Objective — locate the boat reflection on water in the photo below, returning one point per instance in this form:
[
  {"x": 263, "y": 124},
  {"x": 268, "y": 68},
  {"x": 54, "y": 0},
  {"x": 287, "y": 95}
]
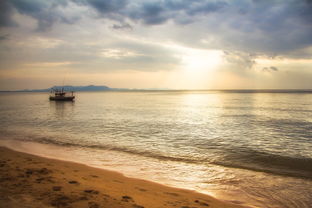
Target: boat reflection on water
[
  {"x": 62, "y": 110},
  {"x": 61, "y": 95}
]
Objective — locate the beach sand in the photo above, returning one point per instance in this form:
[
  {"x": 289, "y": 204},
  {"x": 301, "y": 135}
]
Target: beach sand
[{"x": 31, "y": 181}]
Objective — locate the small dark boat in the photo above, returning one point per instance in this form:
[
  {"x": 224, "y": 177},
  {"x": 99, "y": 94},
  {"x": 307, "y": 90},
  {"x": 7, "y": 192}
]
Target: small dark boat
[{"x": 61, "y": 95}]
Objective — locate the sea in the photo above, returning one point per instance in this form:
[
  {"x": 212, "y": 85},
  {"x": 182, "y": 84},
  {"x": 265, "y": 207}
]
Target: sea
[{"x": 248, "y": 147}]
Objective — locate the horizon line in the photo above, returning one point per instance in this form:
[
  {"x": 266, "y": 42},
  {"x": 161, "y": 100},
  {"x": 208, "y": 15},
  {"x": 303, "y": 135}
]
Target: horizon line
[{"x": 168, "y": 89}]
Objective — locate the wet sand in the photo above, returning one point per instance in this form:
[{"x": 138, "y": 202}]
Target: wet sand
[{"x": 31, "y": 181}]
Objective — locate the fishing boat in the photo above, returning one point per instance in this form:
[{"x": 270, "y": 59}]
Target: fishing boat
[{"x": 61, "y": 95}]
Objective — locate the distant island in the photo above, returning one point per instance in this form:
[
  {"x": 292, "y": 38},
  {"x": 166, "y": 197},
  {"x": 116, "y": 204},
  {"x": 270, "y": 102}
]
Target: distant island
[
  {"x": 69, "y": 88},
  {"x": 88, "y": 88}
]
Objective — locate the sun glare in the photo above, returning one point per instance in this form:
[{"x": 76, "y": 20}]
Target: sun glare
[
  {"x": 201, "y": 60},
  {"x": 198, "y": 67}
]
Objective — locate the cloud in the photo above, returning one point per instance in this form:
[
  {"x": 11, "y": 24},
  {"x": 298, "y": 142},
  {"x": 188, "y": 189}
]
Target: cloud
[
  {"x": 105, "y": 7},
  {"x": 6, "y": 14},
  {"x": 4, "y": 37},
  {"x": 204, "y": 8},
  {"x": 240, "y": 60},
  {"x": 45, "y": 12},
  {"x": 273, "y": 68},
  {"x": 270, "y": 27},
  {"x": 180, "y": 12},
  {"x": 118, "y": 53},
  {"x": 122, "y": 26},
  {"x": 270, "y": 69},
  {"x": 152, "y": 12},
  {"x": 243, "y": 29}
]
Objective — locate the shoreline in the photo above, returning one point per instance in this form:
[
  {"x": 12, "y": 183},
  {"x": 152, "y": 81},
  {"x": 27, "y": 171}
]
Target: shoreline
[{"x": 33, "y": 181}]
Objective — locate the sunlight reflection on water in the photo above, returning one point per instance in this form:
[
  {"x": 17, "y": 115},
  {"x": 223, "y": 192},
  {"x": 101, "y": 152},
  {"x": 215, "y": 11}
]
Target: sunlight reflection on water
[{"x": 228, "y": 144}]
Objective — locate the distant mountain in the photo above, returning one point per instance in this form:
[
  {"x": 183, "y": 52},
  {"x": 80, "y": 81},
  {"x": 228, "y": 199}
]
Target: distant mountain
[
  {"x": 82, "y": 88},
  {"x": 71, "y": 88},
  {"x": 88, "y": 88}
]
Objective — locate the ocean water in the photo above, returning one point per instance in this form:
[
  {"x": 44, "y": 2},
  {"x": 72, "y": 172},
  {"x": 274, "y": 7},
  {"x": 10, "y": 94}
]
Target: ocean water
[{"x": 253, "y": 148}]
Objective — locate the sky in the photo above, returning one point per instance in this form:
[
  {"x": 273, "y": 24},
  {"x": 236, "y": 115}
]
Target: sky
[{"x": 176, "y": 44}]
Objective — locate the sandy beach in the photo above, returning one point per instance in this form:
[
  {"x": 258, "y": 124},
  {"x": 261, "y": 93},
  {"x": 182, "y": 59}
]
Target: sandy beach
[{"x": 31, "y": 181}]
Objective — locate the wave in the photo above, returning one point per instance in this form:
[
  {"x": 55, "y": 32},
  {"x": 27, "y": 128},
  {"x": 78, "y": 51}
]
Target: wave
[
  {"x": 299, "y": 167},
  {"x": 248, "y": 159},
  {"x": 128, "y": 150}
]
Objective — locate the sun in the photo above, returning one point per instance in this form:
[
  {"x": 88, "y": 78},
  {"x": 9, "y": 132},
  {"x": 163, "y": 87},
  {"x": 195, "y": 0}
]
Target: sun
[
  {"x": 199, "y": 61},
  {"x": 195, "y": 59},
  {"x": 199, "y": 67}
]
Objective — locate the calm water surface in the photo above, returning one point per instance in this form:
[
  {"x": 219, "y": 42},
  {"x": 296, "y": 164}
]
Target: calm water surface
[{"x": 252, "y": 148}]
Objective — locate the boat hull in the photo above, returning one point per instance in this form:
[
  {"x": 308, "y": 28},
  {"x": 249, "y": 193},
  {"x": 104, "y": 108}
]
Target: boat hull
[{"x": 62, "y": 98}]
